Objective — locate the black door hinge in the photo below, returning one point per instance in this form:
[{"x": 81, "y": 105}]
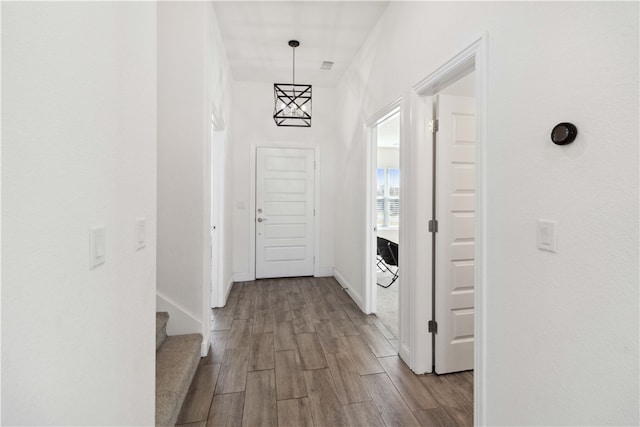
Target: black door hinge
[{"x": 433, "y": 326}]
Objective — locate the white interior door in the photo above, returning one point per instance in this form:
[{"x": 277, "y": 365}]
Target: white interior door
[
  {"x": 284, "y": 212},
  {"x": 455, "y": 238}
]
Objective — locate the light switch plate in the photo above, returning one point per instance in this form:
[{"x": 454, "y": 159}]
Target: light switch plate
[
  {"x": 547, "y": 240},
  {"x": 141, "y": 238},
  {"x": 97, "y": 248}
]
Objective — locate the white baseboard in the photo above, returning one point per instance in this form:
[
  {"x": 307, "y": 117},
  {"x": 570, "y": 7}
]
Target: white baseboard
[
  {"x": 206, "y": 342},
  {"x": 355, "y": 296},
  {"x": 180, "y": 320},
  {"x": 228, "y": 290},
  {"x": 243, "y": 277},
  {"x": 325, "y": 272}
]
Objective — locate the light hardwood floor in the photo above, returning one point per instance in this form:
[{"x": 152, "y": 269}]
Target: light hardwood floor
[{"x": 299, "y": 352}]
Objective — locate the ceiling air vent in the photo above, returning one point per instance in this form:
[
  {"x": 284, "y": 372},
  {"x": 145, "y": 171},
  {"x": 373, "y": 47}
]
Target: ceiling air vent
[{"x": 326, "y": 65}]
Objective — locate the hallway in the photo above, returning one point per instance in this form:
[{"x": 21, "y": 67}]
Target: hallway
[{"x": 293, "y": 352}]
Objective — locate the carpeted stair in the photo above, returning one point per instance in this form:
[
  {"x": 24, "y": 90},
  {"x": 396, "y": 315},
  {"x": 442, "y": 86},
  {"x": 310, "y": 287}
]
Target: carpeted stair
[{"x": 177, "y": 359}]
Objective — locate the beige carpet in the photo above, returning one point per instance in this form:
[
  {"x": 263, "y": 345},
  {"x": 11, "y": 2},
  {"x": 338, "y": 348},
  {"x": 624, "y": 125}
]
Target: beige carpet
[{"x": 387, "y": 304}]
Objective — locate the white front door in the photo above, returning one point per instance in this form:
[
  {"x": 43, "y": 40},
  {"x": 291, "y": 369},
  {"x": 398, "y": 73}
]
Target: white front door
[
  {"x": 455, "y": 238},
  {"x": 284, "y": 212}
]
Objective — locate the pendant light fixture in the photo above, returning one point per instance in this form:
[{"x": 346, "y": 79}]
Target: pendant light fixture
[{"x": 292, "y": 101}]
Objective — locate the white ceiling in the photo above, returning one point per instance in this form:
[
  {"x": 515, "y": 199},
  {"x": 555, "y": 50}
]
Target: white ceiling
[{"x": 256, "y": 36}]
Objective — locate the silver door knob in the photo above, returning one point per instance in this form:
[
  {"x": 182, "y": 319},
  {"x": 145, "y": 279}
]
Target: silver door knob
[{"x": 261, "y": 219}]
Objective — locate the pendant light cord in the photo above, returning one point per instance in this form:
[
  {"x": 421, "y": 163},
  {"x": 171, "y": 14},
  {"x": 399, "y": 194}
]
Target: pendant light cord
[{"x": 294, "y": 72}]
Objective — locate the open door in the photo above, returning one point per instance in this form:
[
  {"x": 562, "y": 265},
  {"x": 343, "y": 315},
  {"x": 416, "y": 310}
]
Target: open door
[{"x": 455, "y": 237}]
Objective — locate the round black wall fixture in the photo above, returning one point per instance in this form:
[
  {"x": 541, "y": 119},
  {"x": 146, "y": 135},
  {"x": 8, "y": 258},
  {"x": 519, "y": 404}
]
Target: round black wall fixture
[{"x": 564, "y": 133}]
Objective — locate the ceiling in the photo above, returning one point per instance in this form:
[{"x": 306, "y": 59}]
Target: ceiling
[{"x": 256, "y": 36}]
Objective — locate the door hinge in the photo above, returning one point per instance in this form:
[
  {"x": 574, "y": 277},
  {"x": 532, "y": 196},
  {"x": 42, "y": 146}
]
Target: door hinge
[
  {"x": 433, "y": 326},
  {"x": 433, "y": 226},
  {"x": 433, "y": 126}
]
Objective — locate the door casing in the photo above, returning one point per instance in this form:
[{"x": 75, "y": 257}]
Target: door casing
[{"x": 473, "y": 58}]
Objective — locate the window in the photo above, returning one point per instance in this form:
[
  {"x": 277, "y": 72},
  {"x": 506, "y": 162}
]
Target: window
[{"x": 388, "y": 198}]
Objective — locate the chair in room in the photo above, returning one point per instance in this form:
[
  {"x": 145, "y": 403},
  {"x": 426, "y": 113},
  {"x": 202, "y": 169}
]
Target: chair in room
[{"x": 387, "y": 259}]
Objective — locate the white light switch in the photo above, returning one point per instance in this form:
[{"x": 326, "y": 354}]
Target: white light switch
[
  {"x": 97, "y": 250},
  {"x": 141, "y": 238},
  {"x": 547, "y": 235}
]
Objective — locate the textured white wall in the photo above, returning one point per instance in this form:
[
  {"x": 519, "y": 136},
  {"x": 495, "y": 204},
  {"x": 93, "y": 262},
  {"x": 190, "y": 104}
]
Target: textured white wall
[
  {"x": 253, "y": 124},
  {"x": 562, "y": 329},
  {"x": 192, "y": 73},
  {"x": 79, "y": 150}
]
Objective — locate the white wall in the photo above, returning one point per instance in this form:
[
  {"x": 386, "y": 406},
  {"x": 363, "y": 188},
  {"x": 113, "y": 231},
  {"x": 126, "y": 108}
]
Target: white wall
[
  {"x": 79, "y": 150},
  {"x": 561, "y": 329},
  {"x": 192, "y": 75},
  {"x": 253, "y": 126}
]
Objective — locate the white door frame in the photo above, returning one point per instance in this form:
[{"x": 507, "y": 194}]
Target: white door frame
[
  {"x": 370, "y": 289},
  {"x": 218, "y": 142},
  {"x": 473, "y": 58},
  {"x": 252, "y": 205}
]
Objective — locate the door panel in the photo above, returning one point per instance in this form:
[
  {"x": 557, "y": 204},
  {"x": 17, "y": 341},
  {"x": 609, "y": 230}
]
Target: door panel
[
  {"x": 455, "y": 245},
  {"x": 284, "y": 212}
]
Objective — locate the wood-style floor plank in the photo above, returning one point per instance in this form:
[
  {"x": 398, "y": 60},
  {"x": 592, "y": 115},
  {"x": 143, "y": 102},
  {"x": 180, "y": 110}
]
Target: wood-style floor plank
[
  {"x": 435, "y": 417},
  {"x": 294, "y": 412},
  {"x": 446, "y": 393},
  {"x": 306, "y": 354},
  {"x": 365, "y": 362},
  {"x": 262, "y": 353},
  {"x": 410, "y": 387},
  {"x": 349, "y": 386},
  {"x": 216, "y": 348},
  {"x": 345, "y": 327},
  {"x": 378, "y": 344},
  {"x": 462, "y": 413},
  {"x": 289, "y": 378},
  {"x": 364, "y": 414},
  {"x": 233, "y": 372},
  {"x": 198, "y": 400},
  {"x": 260, "y": 399},
  {"x": 302, "y": 320},
  {"x": 382, "y": 328},
  {"x": 198, "y": 424},
  {"x": 240, "y": 335},
  {"x": 355, "y": 314},
  {"x": 329, "y": 338},
  {"x": 460, "y": 382},
  {"x": 326, "y": 410},
  {"x": 263, "y": 322},
  {"x": 226, "y": 410},
  {"x": 311, "y": 351},
  {"x": 285, "y": 337},
  {"x": 392, "y": 407}
]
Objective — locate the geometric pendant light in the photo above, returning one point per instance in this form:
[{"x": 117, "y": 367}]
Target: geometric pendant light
[{"x": 292, "y": 102}]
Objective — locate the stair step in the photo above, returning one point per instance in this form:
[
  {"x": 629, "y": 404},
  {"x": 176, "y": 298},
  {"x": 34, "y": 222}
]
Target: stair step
[
  {"x": 176, "y": 363},
  {"x": 162, "y": 317}
]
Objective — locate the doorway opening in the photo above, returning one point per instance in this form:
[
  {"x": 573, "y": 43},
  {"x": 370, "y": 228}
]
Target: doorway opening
[
  {"x": 382, "y": 221},
  {"x": 451, "y": 144},
  {"x": 386, "y": 279}
]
